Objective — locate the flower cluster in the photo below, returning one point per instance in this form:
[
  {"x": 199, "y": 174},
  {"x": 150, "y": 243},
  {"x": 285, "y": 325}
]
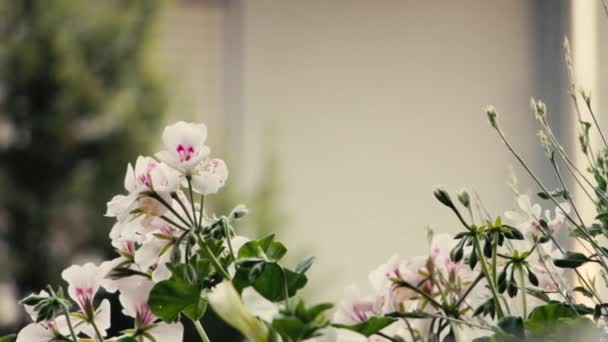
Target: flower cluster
[
  {"x": 173, "y": 260},
  {"x": 414, "y": 298},
  {"x": 511, "y": 279}
]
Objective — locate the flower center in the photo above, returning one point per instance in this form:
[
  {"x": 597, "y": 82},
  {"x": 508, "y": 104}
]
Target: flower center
[
  {"x": 166, "y": 230},
  {"x": 358, "y": 314},
  {"x": 185, "y": 152},
  {"x": 145, "y": 316},
  {"x": 128, "y": 247},
  {"x": 84, "y": 296}
]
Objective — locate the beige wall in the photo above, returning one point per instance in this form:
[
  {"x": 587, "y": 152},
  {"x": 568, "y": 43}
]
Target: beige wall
[
  {"x": 370, "y": 104},
  {"x": 367, "y": 106}
]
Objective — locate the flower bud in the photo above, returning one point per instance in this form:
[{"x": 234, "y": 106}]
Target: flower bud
[
  {"x": 464, "y": 198},
  {"x": 442, "y": 196},
  {"x": 539, "y": 108},
  {"x": 238, "y": 212},
  {"x": 176, "y": 254},
  {"x": 227, "y": 303},
  {"x": 586, "y": 95},
  {"x": 492, "y": 115}
]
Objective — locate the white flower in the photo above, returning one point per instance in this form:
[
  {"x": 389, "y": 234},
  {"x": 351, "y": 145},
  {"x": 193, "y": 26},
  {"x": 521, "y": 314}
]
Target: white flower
[
  {"x": 228, "y": 305},
  {"x": 83, "y": 283},
  {"x": 148, "y": 175},
  {"x": 407, "y": 269},
  {"x": 36, "y": 332},
  {"x": 134, "y": 293},
  {"x": 354, "y": 309},
  {"x": 529, "y": 216},
  {"x": 44, "y": 331},
  {"x": 210, "y": 176},
  {"x": 102, "y": 320},
  {"x": 184, "y": 146},
  {"x": 155, "y": 253}
]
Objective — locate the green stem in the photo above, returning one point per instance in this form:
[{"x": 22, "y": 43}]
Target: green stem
[
  {"x": 489, "y": 277},
  {"x": 173, "y": 223},
  {"x": 97, "y": 332},
  {"x": 522, "y": 284},
  {"x": 494, "y": 259},
  {"x": 66, "y": 312},
  {"x": 163, "y": 202},
  {"x": 201, "y": 331},
  {"x": 420, "y": 292},
  {"x": 385, "y": 336},
  {"x": 455, "y": 332},
  {"x": 183, "y": 206},
  {"x": 285, "y": 289},
  {"x": 214, "y": 261},
  {"x": 194, "y": 222},
  {"x": 468, "y": 290},
  {"x": 201, "y": 211}
]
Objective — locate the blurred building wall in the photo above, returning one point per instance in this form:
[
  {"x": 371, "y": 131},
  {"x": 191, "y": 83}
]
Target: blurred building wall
[
  {"x": 367, "y": 106},
  {"x": 370, "y": 104}
]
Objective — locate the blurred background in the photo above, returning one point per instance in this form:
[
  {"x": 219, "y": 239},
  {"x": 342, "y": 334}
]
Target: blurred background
[{"x": 336, "y": 118}]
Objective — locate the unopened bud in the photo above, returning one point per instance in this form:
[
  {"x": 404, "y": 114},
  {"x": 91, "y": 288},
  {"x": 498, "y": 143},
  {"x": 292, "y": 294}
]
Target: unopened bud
[
  {"x": 442, "y": 196},
  {"x": 176, "y": 254},
  {"x": 539, "y": 108},
  {"x": 492, "y": 115},
  {"x": 464, "y": 198},
  {"x": 239, "y": 212},
  {"x": 586, "y": 95}
]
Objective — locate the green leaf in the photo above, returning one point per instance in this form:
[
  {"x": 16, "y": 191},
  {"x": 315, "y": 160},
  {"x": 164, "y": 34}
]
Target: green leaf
[
  {"x": 127, "y": 339},
  {"x": 551, "y": 311},
  {"x": 176, "y": 295},
  {"x": 571, "y": 260},
  {"x": 271, "y": 285},
  {"x": 369, "y": 327},
  {"x": 554, "y": 194},
  {"x": 512, "y": 325},
  {"x": 602, "y": 216},
  {"x": 305, "y": 264},
  {"x": 314, "y": 311},
  {"x": 265, "y": 247},
  {"x": 8, "y": 338},
  {"x": 544, "y": 319},
  {"x": 290, "y": 327},
  {"x": 584, "y": 291}
]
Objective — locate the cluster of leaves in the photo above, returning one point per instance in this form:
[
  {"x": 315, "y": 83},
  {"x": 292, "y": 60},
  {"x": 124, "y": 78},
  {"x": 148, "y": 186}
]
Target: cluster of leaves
[
  {"x": 554, "y": 321},
  {"x": 256, "y": 265},
  {"x": 298, "y": 323}
]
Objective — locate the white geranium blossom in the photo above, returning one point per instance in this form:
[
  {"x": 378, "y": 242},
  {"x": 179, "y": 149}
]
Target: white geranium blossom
[
  {"x": 44, "y": 331},
  {"x": 210, "y": 176},
  {"x": 83, "y": 283},
  {"x": 134, "y": 293},
  {"x": 529, "y": 216},
  {"x": 354, "y": 308},
  {"x": 148, "y": 175},
  {"x": 184, "y": 146}
]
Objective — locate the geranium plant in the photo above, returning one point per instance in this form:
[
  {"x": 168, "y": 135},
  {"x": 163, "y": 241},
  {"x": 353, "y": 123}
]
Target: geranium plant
[
  {"x": 500, "y": 278},
  {"x": 174, "y": 260},
  {"x": 504, "y": 278}
]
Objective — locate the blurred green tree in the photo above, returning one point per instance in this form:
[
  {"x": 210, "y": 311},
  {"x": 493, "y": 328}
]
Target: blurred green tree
[{"x": 79, "y": 95}]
